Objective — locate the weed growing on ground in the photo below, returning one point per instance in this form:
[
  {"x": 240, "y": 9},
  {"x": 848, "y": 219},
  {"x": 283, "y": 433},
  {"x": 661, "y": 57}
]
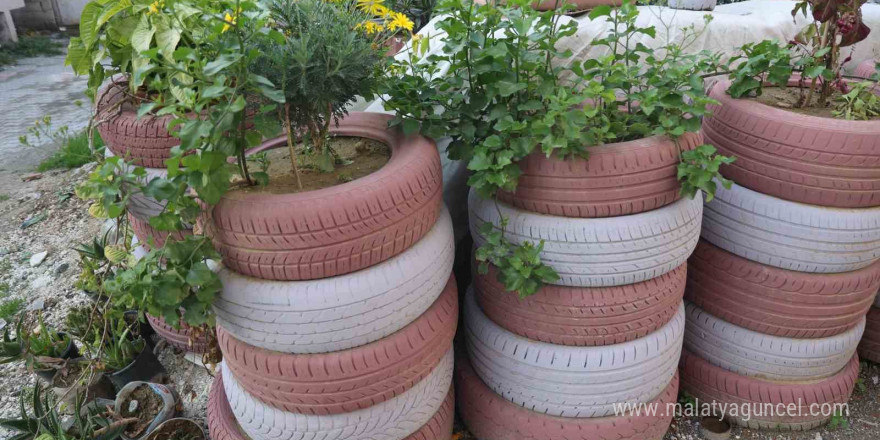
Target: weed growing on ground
[
  {"x": 28, "y": 47},
  {"x": 4, "y": 197},
  {"x": 10, "y": 308},
  {"x": 72, "y": 149}
]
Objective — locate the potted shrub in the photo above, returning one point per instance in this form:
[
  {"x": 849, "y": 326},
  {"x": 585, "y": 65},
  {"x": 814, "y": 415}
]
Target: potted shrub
[
  {"x": 40, "y": 418},
  {"x": 126, "y": 359},
  {"x": 330, "y": 195},
  {"x": 77, "y": 379},
  {"x": 801, "y": 131},
  {"x": 610, "y": 136},
  {"x": 41, "y": 347}
]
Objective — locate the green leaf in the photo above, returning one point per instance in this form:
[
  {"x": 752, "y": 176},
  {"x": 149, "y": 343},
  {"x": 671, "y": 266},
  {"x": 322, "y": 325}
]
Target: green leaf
[
  {"x": 222, "y": 62},
  {"x": 167, "y": 38},
  {"x": 110, "y": 12},
  {"x": 142, "y": 37},
  {"x": 88, "y": 23}
]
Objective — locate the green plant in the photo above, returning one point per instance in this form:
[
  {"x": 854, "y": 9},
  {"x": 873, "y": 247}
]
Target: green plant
[
  {"x": 169, "y": 279},
  {"x": 814, "y": 54},
  {"x": 28, "y": 46},
  {"x": 14, "y": 349},
  {"x": 71, "y": 149},
  {"x": 4, "y": 197},
  {"x": 40, "y": 419},
  {"x": 11, "y": 307},
  {"x": 860, "y": 103},
  {"x": 838, "y": 420},
  {"x": 125, "y": 31},
  {"x": 117, "y": 347},
  {"x": 39, "y": 346},
  {"x": 319, "y": 69},
  {"x": 499, "y": 91}
]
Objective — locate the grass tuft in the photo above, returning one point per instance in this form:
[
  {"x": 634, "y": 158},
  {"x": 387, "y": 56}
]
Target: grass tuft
[
  {"x": 29, "y": 46},
  {"x": 8, "y": 309},
  {"x": 73, "y": 154}
]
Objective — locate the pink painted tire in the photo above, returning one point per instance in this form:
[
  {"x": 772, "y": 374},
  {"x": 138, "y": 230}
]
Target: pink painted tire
[
  {"x": 776, "y": 301},
  {"x": 145, "y": 142},
  {"x": 806, "y": 159},
  {"x": 617, "y": 179},
  {"x": 348, "y": 380},
  {"x": 147, "y": 234},
  {"x": 223, "y": 426},
  {"x": 869, "y": 348},
  {"x": 708, "y": 383},
  {"x": 178, "y": 338},
  {"x": 866, "y": 69},
  {"x": 337, "y": 230},
  {"x": 492, "y": 417},
  {"x": 584, "y": 316}
]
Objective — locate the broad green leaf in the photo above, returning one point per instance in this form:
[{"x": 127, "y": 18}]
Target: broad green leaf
[
  {"x": 88, "y": 24},
  {"x": 142, "y": 37},
  {"x": 114, "y": 9}
]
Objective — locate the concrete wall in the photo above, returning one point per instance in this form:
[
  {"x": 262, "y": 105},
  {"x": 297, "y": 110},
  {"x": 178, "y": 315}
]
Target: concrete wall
[
  {"x": 36, "y": 15},
  {"x": 70, "y": 11}
]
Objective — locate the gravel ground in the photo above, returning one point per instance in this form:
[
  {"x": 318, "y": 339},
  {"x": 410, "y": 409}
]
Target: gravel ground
[{"x": 49, "y": 287}]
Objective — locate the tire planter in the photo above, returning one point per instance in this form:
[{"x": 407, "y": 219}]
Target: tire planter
[
  {"x": 869, "y": 348},
  {"x": 139, "y": 205},
  {"x": 866, "y": 69},
  {"x": 344, "y": 228},
  {"x": 342, "y": 312},
  {"x": 791, "y": 235},
  {"x": 775, "y": 301},
  {"x": 178, "y": 338},
  {"x": 775, "y": 358},
  {"x": 584, "y": 316},
  {"x": 571, "y": 381},
  {"x": 709, "y": 383},
  {"x": 223, "y": 426},
  {"x": 491, "y": 417},
  {"x": 393, "y": 419},
  {"x": 806, "y": 159},
  {"x": 617, "y": 179},
  {"x": 143, "y": 141},
  {"x": 147, "y": 234},
  {"x": 604, "y": 251},
  {"x": 348, "y": 380}
]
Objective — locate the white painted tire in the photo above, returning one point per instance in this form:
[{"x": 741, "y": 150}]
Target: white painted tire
[
  {"x": 791, "y": 235},
  {"x": 693, "y": 5},
  {"x": 393, "y": 419},
  {"x": 569, "y": 381},
  {"x": 139, "y": 205},
  {"x": 342, "y": 312},
  {"x": 774, "y": 358},
  {"x": 599, "y": 252}
]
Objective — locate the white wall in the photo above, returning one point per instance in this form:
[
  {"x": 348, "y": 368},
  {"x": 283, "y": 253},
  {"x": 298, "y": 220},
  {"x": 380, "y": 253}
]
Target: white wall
[{"x": 70, "y": 10}]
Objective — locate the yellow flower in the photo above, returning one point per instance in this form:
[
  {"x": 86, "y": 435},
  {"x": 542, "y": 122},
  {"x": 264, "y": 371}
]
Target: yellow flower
[
  {"x": 230, "y": 21},
  {"x": 155, "y": 6},
  {"x": 371, "y": 27},
  {"x": 400, "y": 21},
  {"x": 373, "y": 7}
]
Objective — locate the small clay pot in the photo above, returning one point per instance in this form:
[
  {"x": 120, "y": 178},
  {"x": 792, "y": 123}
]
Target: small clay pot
[
  {"x": 167, "y": 410},
  {"x": 97, "y": 387},
  {"x": 71, "y": 352},
  {"x": 178, "y": 429},
  {"x": 145, "y": 367}
]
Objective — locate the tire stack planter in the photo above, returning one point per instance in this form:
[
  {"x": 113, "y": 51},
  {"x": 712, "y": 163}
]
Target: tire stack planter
[
  {"x": 143, "y": 142},
  {"x": 338, "y": 307},
  {"x": 787, "y": 266},
  {"x": 556, "y": 365}
]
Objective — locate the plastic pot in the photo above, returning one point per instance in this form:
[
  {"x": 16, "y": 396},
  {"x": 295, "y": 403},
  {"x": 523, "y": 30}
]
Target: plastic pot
[
  {"x": 144, "y": 330},
  {"x": 97, "y": 387},
  {"x": 145, "y": 367},
  {"x": 71, "y": 352},
  {"x": 167, "y": 409},
  {"x": 175, "y": 428}
]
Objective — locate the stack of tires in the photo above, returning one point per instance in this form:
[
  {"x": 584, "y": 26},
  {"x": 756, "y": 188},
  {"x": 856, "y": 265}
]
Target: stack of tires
[
  {"x": 144, "y": 142},
  {"x": 338, "y": 307},
  {"x": 787, "y": 268},
  {"x": 564, "y": 362}
]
